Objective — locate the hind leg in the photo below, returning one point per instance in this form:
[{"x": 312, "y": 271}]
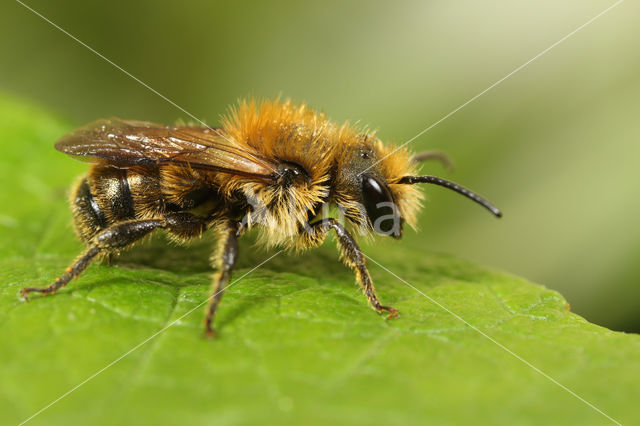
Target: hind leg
[
  {"x": 121, "y": 235},
  {"x": 109, "y": 240}
]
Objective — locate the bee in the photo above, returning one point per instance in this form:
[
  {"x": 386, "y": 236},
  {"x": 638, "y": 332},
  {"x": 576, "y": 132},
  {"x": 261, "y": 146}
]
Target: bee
[{"x": 272, "y": 165}]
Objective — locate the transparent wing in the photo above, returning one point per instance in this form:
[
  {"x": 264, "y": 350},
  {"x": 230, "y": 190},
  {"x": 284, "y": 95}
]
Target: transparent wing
[{"x": 126, "y": 143}]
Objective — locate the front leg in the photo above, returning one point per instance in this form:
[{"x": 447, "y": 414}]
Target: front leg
[
  {"x": 353, "y": 257},
  {"x": 225, "y": 258}
]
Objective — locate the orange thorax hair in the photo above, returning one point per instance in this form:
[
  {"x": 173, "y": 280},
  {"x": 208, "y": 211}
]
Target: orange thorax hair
[{"x": 293, "y": 133}]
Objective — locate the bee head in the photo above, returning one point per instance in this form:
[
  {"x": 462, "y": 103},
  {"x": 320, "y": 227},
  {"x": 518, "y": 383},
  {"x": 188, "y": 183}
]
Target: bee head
[
  {"x": 381, "y": 185},
  {"x": 365, "y": 191}
]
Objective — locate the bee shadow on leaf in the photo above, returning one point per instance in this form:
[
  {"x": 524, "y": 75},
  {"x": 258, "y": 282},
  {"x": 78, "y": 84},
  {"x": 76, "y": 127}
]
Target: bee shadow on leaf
[{"x": 159, "y": 253}]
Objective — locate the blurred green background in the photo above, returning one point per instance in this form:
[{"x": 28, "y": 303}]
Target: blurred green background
[{"x": 555, "y": 145}]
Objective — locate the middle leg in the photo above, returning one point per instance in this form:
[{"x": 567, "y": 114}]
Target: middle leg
[{"x": 225, "y": 258}]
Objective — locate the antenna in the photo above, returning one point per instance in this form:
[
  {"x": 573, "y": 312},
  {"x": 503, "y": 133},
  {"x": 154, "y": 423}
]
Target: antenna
[{"x": 410, "y": 180}]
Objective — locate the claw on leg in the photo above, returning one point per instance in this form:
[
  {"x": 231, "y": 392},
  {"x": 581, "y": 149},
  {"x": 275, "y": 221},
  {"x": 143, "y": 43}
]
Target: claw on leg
[
  {"x": 393, "y": 312},
  {"x": 45, "y": 290},
  {"x": 25, "y": 294},
  {"x": 209, "y": 332}
]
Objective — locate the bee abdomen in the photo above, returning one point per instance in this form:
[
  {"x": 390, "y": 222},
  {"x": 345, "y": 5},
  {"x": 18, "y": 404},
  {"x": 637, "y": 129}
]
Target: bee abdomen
[
  {"x": 88, "y": 216},
  {"x": 102, "y": 199},
  {"x": 109, "y": 195},
  {"x": 112, "y": 193}
]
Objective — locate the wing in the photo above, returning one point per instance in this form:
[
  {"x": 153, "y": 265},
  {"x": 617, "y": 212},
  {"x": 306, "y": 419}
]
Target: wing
[{"x": 128, "y": 143}]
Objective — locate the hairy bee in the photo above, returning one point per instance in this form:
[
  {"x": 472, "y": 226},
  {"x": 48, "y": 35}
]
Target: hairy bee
[{"x": 272, "y": 165}]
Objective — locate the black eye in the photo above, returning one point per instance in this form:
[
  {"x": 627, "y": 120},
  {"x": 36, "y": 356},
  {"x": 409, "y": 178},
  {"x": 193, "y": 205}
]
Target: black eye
[{"x": 380, "y": 207}]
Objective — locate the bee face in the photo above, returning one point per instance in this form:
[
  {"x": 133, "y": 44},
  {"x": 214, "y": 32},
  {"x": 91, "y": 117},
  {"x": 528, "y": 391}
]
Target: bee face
[{"x": 370, "y": 199}]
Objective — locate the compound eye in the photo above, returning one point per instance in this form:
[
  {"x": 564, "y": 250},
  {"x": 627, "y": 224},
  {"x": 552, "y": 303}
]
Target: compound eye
[{"x": 380, "y": 207}]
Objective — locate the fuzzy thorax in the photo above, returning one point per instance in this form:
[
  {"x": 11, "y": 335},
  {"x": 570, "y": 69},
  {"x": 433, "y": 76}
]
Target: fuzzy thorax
[{"x": 332, "y": 157}]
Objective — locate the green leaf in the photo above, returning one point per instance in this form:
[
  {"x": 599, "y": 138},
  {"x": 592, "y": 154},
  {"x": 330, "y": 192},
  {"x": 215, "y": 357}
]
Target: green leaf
[{"x": 297, "y": 342}]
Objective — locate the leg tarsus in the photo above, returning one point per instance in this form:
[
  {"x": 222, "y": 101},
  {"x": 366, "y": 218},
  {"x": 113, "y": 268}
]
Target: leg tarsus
[
  {"x": 226, "y": 256},
  {"x": 71, "y": 272}
]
